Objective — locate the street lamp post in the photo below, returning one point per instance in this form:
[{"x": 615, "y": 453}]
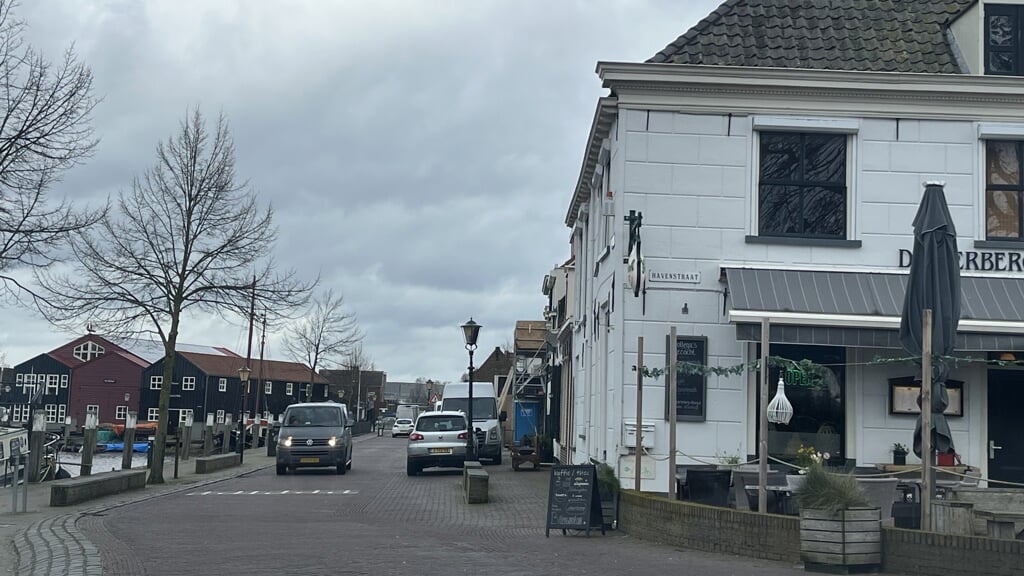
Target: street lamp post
[
  {"x": 470, "y": 331},
  {"x": 430, "y": 387},
  {"x": 243, "y": 377}
]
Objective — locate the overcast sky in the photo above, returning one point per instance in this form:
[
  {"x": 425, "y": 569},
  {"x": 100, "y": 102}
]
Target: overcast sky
[{"x": 419, "y": 155}]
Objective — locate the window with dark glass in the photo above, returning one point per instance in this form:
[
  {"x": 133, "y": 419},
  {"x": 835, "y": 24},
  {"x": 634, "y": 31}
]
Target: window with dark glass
[
  {"x": 802, "y": 188},
  {"x": 1002, "y": 39},
  {"x": 818, "y": 400},
  {"x": 1003, "y": 190}
]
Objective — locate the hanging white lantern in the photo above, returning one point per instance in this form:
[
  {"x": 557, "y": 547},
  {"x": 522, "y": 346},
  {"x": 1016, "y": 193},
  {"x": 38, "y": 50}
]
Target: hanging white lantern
[{"x": 779, "y": 409}]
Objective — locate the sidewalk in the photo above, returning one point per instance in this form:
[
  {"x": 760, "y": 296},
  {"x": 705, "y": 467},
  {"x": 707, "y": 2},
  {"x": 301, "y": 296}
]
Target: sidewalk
[{"x": 44, "y": 540}]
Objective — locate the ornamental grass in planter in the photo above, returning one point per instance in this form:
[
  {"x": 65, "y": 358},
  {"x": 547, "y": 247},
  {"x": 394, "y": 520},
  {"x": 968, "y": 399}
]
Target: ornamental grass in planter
[
  {"x": 608, "y": 487},
  {"x": 838, "y": 528}
]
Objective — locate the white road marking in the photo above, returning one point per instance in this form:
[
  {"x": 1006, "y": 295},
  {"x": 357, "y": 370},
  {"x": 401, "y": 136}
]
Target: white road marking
[{"x": 275, "y": 493}]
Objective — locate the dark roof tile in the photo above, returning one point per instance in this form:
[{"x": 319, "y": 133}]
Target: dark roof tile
[{"x": 865, "y": 35}]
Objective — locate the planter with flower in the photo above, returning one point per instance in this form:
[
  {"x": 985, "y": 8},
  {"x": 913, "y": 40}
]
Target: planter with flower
[
  {"x": 805, "y": 456},
  {"x": 899, "y": 454},
  {"x": 838, "y": 527}
]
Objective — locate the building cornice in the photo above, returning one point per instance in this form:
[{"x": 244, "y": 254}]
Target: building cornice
[
  {"x": 604, "y": 117},
  {"x": 740, "y": 90}
]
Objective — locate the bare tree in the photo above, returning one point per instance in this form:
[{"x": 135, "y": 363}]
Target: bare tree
[
  {"x": 357, "y": 360},
  {"x": 186, "y": 237},
  {"x": 45, "y": 114},
  {"x": 325, "y": 335}
]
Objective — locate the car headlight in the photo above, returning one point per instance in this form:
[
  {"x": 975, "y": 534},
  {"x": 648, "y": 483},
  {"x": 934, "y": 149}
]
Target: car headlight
[
  {"x": 494, "y": 434},
  {"x": 332, "y": 441},
  {"x": 287, "y": 441}
]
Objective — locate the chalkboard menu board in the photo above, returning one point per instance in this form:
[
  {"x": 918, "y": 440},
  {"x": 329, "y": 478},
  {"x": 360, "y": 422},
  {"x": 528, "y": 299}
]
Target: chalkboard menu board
[
  {"x": 691, "y": 388},
  {"x": 573, "y": 501}
]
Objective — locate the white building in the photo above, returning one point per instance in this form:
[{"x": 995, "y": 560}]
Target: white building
[{"x": 777, "y": 157}]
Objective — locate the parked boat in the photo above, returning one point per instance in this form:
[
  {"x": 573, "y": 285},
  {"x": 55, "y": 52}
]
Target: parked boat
[{"x": 142, "y": 447}]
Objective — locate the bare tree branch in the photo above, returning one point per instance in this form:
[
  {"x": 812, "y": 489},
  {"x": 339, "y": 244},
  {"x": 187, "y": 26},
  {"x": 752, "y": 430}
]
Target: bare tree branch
[
  {"x": 45, "y": 115},
  {"x": 326, "y": 335},
  {"x": 187, "y": 236}
]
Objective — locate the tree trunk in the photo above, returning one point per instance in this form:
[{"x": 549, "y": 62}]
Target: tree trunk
[{"x": 156, "y": 470}]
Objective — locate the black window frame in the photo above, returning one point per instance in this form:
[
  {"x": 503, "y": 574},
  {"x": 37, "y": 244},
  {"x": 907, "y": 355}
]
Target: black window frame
[
  {"x": 1018, "y": 188},
  {"x": 803, "y": 185},
  {"x": 1016, "y": 50}
]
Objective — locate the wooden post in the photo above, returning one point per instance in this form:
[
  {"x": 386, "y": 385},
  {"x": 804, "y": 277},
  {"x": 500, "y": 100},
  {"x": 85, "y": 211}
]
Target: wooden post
[
  {"x": 926, "y": 422},
  {"x": 672, "y": 412},
  {"x": 37, "y": 443},
  {"x": 88, "y": 443},
  {"x": 129, "y": 440},
  {"x": 762, "y": 419},
  {"x": 639, "y": 409}
]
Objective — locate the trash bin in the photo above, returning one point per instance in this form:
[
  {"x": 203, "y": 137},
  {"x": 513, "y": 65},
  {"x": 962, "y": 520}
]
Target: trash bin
[
  {"x": 272, "y": 434},
  {"x": 149, "y": 452}
]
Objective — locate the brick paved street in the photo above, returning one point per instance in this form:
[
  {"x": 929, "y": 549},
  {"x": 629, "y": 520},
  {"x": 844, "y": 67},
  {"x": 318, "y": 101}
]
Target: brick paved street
[{"x": 388, "y": 523}]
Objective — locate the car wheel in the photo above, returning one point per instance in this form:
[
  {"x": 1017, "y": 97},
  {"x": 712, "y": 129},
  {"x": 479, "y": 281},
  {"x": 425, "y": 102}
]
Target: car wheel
[
  {"x": 411, "y": 469},
  {"x": 349, "y": 465},
  {"x": 282, "y": 470},
  {"x": 497, "y": 459},
  {"x": 393, "y": 435},
  {"x": 341, "y": 465}
]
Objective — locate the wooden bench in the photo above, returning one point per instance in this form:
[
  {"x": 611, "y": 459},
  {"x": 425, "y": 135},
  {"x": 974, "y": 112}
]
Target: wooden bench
[
  {"x": 207, "y": 464},
  {"x": 476, "y": 485},
  {"x": 1007, "y": 525},
  {"x": 521, "y": 454},
  {"x": 83, "y": 488}
]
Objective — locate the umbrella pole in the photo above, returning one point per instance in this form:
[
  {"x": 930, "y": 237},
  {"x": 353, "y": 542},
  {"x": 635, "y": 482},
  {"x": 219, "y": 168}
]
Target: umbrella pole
[
  {"x": 762, "y": 415},
  {"x": 926, "y": 422}
]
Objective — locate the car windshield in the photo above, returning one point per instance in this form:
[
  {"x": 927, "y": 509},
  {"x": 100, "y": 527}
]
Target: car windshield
[
  {"x": 440, "y": 424},
  {"x": 483, "y": 408},
  {"x": 313, "y": 416}
]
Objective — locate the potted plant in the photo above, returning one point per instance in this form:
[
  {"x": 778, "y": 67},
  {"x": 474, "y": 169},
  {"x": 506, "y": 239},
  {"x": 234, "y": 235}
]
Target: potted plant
[
  {"x": 899, "y": 454},
  {"x": 838, "y": 528},
  {"x": 608, "y": 489}
]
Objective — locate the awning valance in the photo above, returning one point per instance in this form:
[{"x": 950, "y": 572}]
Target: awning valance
[{"x": 863, "y": 308}]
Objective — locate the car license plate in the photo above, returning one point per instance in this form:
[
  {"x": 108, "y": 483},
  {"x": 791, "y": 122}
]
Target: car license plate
[
  {"x": 440, "y": 450},
  {"x": 309, "y": 460}
]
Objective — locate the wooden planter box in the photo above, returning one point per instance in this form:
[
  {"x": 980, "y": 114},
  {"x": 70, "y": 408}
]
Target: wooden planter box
[{"x": 850, "y": 539}]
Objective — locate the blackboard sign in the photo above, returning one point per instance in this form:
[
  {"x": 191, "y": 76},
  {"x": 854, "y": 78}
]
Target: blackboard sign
[
  {"x": 573, "y": 501},
  {"x": 691, "y": 388}
]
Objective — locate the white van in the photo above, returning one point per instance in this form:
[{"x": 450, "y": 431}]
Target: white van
[{"x": 486, "y": 419}]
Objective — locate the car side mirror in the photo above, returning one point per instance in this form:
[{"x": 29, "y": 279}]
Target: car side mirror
[{"x": 502, "y": 416}]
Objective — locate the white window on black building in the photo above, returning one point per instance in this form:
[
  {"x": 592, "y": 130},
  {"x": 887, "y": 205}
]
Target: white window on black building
[
  {"x": 156, "y": 382},
  {"x": 222, "y": 385},
  {"x": 188, "y": 383},
  {"x": 120, "y": 413}
]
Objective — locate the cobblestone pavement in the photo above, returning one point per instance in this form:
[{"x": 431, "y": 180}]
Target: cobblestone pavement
[
  {"x": 373, "y": 520},
  {"x": 388, "y": 524}
]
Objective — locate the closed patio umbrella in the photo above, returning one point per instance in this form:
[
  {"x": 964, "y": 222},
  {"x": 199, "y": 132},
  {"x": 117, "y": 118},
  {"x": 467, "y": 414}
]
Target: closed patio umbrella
[{"x": 934, "y": 284}]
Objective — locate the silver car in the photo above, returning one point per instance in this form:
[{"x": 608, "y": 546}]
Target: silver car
[{"x": 438, "y": 439}]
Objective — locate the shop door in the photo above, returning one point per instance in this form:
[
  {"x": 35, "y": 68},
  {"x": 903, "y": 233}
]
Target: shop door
[{"x": 1005, "y": 431}]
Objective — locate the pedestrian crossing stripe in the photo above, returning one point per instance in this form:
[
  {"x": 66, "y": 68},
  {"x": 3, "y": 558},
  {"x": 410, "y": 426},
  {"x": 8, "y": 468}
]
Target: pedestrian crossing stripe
[{"x": 272, "y": 493}]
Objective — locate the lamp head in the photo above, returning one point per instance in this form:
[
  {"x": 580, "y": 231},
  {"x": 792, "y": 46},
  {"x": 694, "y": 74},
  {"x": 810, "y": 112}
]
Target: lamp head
[
  {"x": 243, "y": 373},
  {"x": 470, "y": 332}
]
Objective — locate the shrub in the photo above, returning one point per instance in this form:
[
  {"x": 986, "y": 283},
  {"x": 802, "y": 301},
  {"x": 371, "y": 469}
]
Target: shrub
[
  {"x": 822, "y": 490},
  {"x": 607, "y": 482}
]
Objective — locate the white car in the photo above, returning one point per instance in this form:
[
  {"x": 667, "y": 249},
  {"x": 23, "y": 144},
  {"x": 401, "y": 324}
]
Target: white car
[{"x": 402, "y": 427}]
